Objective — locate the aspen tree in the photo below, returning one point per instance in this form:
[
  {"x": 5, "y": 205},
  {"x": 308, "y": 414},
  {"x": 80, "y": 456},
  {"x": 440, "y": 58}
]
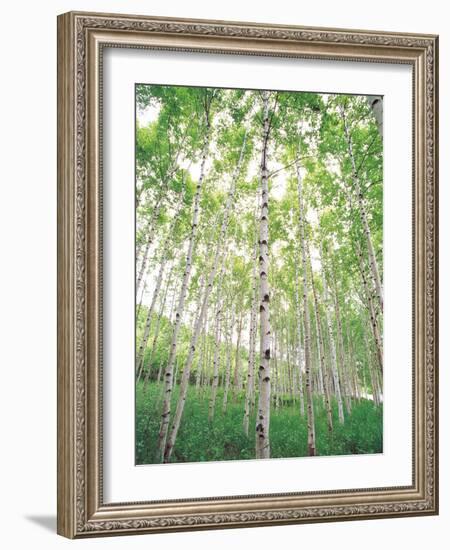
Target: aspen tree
[
  {"x": 306, "y": 320},
  {"x": 263, "y": 414}
]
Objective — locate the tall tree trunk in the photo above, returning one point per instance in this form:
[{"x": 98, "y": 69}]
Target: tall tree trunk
[
  {"x": 216, "y": 363},
  {"x": 168, "y": 382},
  {"x": 298, "y": 313},
  {"x": 228, "y": 361},
  {"x": 372, "y": 368},
  {"x": 139, "y": 306},
  {"x": 306, "y": 322},
  {"x": 250, "y": 390},
  {"x": 276, "y": 382},
  {"x": 250, "y": 367},
  {"x": 363, "y": 215},
  {"x": 263, "y": 414},
  {"x": 340, "y": 338},
  {"x": 237, "y": 359},
  {"x": 332, "y": 343},
  {"x": 321, "y": 349},
  {"x": 354, "y": 371},
  {"x": 370, "y": 307},
  {"x": 201, "y": 355},
  {"x": 175, "y": 374},
  {"x": 315, "y": 350},
  {"x": 292, "y": 358},
  {"x": 204, "y": 382},
  {"x": 286, "y": 346}
]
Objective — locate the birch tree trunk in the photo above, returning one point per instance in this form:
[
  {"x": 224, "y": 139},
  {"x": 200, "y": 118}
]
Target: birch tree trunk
[
  {"x": 321, "y": 350},
  {"x": 292, "y": 358},
  {"x": 298, "y": 313},
  {"x": 250, "y": 367},
  {"x": 263, "y": 414},
  {"x": 198, "y": 372},
  {"x": 371, "y": 366},
  {"x": 370, "y": 307},
  {"x": 249, "y": 395},
  {"x": 354, "y": 372},
  {"x": 205, "y": 356},
  {"x": 306, "y": 322},
  {"x": 156, "y": 335},
  {"x": 340, "y": 340},
  {"x": 288, "y": 365},
  {"x": 228, "y": 362},
  {"x": 168, "y": 381},
  {"x": 237, "y": 358},
  {"x": 276, "y": 383},
  {"x": 139, "y": 306},
  {"x": 216, "y": 363},
  {"x": 332, "y": 343}
]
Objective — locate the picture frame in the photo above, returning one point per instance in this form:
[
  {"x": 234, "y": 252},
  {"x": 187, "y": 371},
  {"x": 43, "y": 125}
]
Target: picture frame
[{"x": 82, "y": 40}]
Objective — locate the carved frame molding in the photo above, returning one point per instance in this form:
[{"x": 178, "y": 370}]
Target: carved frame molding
[{"x": 81, "y": 38}]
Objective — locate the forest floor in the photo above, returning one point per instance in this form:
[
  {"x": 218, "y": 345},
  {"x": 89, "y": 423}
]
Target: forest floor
[{"x": 224, "y": 439}]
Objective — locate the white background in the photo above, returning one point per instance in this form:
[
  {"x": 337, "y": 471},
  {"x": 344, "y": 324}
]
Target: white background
[
  {"x": 28, "y": 272},
  {"x": 123, "y": 482}
]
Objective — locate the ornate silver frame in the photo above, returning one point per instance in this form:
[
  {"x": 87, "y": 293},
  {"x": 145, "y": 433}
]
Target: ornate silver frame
[{"x": 81, "y": 37}]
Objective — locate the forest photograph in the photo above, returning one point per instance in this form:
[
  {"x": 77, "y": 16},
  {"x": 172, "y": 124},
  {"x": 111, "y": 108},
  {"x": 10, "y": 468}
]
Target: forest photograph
[{"x": 259, "y": 274}]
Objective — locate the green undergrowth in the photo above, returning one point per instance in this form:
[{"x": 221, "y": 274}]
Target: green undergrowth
[{"x": 224, "y": 439}]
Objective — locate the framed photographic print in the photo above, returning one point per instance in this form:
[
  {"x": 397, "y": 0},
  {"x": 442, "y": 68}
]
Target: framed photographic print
[{"x": 247, "y": 283}]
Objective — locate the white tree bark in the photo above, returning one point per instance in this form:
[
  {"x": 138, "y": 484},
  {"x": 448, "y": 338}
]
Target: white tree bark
[
  {"x": 298, "y": 314},
  {"x": 263, "y": 413},
  {"x": 331, "y": 340},
  {"x": 251, "y": 350},
  {"x": 157, "y": 328},
  {"x": 343, "y": 375},
  {"x": 290, "y": 370},
  {"x": 200, "y": 362},
  {"x": 216, "y": 362},
  {"x": 353, "y": 371},
  {"x": 275, "y": 374},
  {"x": 306, "y": 322},
  {"x": 371, "y": 308},
  {"x": 321, "y": 350},
  {"x": 228, "y": 361},
  {"x": 237, "y": 359}
]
